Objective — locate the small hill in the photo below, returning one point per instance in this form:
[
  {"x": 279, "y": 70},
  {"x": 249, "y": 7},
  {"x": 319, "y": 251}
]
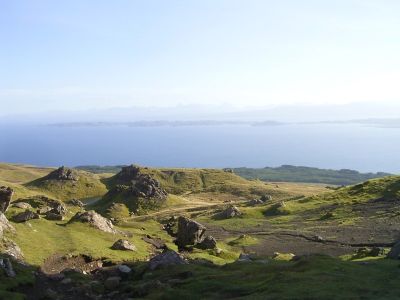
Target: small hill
[
  {"x": 288, "y": 173},
  {"x": 65, "y": 184}
]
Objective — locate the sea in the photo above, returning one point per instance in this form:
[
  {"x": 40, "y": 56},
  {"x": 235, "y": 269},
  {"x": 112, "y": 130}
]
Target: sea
[{"x": 334, "y": 146}]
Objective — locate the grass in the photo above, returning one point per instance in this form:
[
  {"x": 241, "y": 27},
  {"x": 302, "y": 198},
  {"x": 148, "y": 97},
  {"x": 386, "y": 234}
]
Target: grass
[{"x": 315, "y": 277}]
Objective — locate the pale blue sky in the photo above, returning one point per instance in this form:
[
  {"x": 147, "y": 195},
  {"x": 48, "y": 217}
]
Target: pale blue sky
[{"x": 77, "y": 55}]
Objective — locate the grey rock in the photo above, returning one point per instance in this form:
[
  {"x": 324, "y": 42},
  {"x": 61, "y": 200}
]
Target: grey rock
[
  {"x": 22, "y": 205},
  {"x": 255, "y": 202},
  {"x": 189, "y": 232},
  {"x": 166, "y": 258},
  {"x": 12, "y": 249},
  {"x": 5, "y": 225},
  {"x": 266, "y": 198},
  {"x": 25, "y": 216},
  {"x": 51, "y": 216},
  {"x": 6, "y": 194},
  {"x": 394, "y": 252},
  {"x": 230, "y": 212},
  {"x": 94, "y": 220},
  {"x": 63, "y": 173},
  {"x": 123, "y": 245},
  {"x": 76, "y": 202},
  {"x": 208, "y": 243},
  {"x": 6, "y": 265},
  {"x": 124, "y": 269},
  {"x": 244, "y": 257}
]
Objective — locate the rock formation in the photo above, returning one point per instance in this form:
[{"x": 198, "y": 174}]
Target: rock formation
[
  {"x": 230, "y": 212},
  {"x": 94, "y": 220},
  {"x": 394, "y": 252},
  {"x": 25, "y": 216},
  {"x": 166, "y": 258},
  {"x": 63, "y": 173},
  {"x": 5, "y": 225},
  {"x": 189, "y": 232},
  {"x": 6, "y": 194},
  {"x": 208, "y": 243}
]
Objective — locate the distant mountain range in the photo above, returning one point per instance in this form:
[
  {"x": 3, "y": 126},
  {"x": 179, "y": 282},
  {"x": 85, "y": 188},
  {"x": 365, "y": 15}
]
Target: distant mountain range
[{"x": 285, "y": 173}]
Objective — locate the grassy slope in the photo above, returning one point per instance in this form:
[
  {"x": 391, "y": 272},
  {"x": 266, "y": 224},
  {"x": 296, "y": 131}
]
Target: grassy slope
[
  {"x": 88, "y": 186},
  {"x": 305, "y": 174}
]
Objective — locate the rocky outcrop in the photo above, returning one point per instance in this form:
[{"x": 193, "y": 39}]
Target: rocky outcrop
[
  {"x": 12, "y": 249},
  {"x": 51, "y": 216},
  {"x": 395, "y": 251},
  {"x": 5, "y": 225},
  {"x": 208, "y": 243},
  {"x": 230, "y": 212},
  {"x": 25, "y": 216},
  {"x": 166, "y": 258},
  {"x": 76, "y": 202},
  {"x": 63, "y": 173},
  {"x": 6, "y": 194},
  {"x": 94, "y": 220},
  {"x": 189, "y": 232},
  {"x": 128, "y": 173},
  {"x": 266, "y": 198},
  {"x": 22, "y": 205},
  {"x": 5, "y": 264},
  {"x": 123, "y": 245},
  {"x": 255, "y": 202}
]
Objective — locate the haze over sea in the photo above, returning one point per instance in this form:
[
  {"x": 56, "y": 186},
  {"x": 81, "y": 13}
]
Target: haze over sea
[{"x": 354, "y": 146}]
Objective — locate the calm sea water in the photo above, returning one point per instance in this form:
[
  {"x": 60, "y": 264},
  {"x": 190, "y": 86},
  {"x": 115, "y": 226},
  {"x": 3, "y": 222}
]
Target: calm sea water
[{"x": 325, "y": 146}]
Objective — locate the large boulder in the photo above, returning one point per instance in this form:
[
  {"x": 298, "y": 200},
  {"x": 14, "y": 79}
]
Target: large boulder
[
  {"x": 230, "y": 212},
  {"x": 123, "y": 245},
  {"x": 128, "y": 173},
  {"x": 6, "y": 194},
  {"x": 25, "y": 216},
  {"x": 22, "y": 205},
  {"x": 395, "y": 251},
  {"x": 94, "y": 220},
  {"x": 5, "y": 225},
  {"x": 208, "y": 243},
  {"x": 166, "y": 258},
  {"x": 63, "y": 173},
  {"x": 189, "y": 232}
]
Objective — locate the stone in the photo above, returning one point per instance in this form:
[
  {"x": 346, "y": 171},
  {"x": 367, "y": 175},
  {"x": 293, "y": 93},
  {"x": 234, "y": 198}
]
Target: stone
[
  {"x": 94, "y": 220},
  {"x": 123, "y": 245},
  {"x": 157, "y": 243},
  {"x": 230, "y": 212},
  {"x": 318, "y": 239},
  {"x": 12, "y": 249},
  {"x": 44, "y": 210},
  {"x": 76, "y": 202},
  {"x": 22, "y": 205},
  {"x": 6, "y": 194},
  {"x": 394, "y": 252},
  {"x": 266, "y": 198},
  {"x": 255, "y": 202},
  {"x": 189, "y": 232},
  {"x": 63, "y": 173},
  {"x": 208, "y": 243},
  {"x": 51, "y": 216},
  {"x": 25, "y": 216},
  {"x": 244, "y": 257},
  {"x": 111, "y": 283},
  {"x": 166, "y": 258},
  {"x": 5, "y": 225},
  {"x": 6, "y": 265},
  {"x": 124, "y": 269}
]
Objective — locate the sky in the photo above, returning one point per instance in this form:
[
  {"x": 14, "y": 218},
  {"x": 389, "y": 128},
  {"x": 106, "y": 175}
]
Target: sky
[{"x": 100, "y": 54}]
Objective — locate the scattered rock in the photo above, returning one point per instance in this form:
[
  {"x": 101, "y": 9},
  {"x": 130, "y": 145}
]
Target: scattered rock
[
  {"x": 44, "y": 210},
  {"x": 6, "y": 194},
  {"x": 189, "y": 232},
  {"x": 318, "y": 239},
  {"x": 63, "y": 173},
  {"x": 266, "y": 198},
  {"x": 76, "y": 202},
  {"x": 123, "y": 245},
  {"x": 5, "y": 264},
  {"x": 12, "y": 249},
  {"x": 157, "y": 243},
  {"x": 25, "y": 216},
  {"x": 255, "y": 202},
  {"x": 230, "y": 212},
  {"x": 394, "y": 252},
  {"x": 5, "y": 224},
  {"x": 111, "y": 283},
  {"x": 208, "y": 243},
  {"x": 244, "y": 257},
  {"x": 51, "y": 216},
  {"x": 166, "y": 258},
  {"x": 124, "y": 269},
  {"x": 95, "y": 220},
  {"x": 22, "y": 205}
]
